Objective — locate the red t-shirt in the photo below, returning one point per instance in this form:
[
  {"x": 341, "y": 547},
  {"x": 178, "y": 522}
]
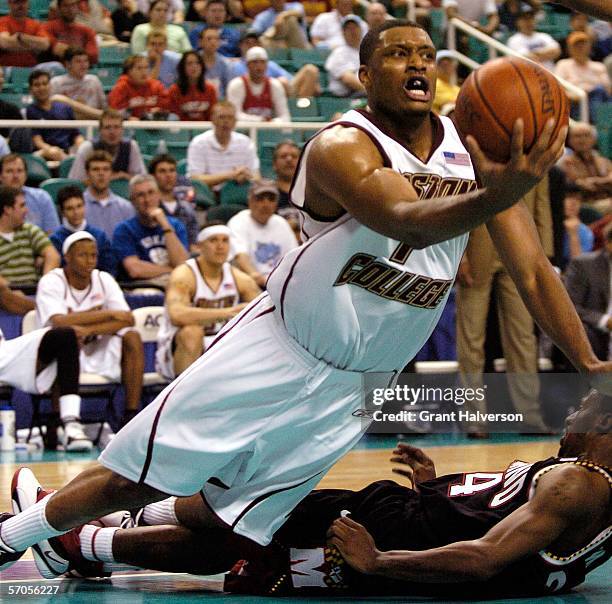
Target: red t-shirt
[
  {"x": 258, "y": 105},
  {"x": 138, "y": 100},
  {"x": 25, "y": 58},
  {"x": 193, "y": 106},
  {"x": 74, "y": 34}
]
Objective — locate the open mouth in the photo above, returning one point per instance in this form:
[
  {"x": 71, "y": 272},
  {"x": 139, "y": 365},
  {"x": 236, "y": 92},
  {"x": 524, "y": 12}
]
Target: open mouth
[{"x": 417, "y": 89}]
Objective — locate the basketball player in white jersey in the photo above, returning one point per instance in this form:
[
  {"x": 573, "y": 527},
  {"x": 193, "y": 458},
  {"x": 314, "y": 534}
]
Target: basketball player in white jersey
[
  {"x": 388, "y": 198},
  {"x": 92, "y": 303},
  {"x": 203, "y": 294}
]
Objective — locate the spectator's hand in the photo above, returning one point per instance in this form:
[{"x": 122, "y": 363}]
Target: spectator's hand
[
  {"x": 60, "y": 48},
  {"x": 160, "y": 217},
  {"x": 241, "y": 174},
  {"x": 421, "y": 466},
  {"x": 355, "y": 544},
  {"x": 571, "y": 224},
  {"x": 464, "y": 274}
]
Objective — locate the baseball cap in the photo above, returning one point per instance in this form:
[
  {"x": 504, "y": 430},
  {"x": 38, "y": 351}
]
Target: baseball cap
[
  {"x": 249, "y": 33},
  {"x": 263, "y": 186},
  {"x": 72, "y": 239},
  {"x": 577, "y": 36},
  {"x": 526, "y": 9},
  {"x": 257, "y": 53},
  {"x": 350, "y": 19}
]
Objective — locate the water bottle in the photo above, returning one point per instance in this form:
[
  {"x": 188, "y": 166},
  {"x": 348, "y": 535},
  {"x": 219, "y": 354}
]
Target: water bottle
[{"x": 7, "y": 428}]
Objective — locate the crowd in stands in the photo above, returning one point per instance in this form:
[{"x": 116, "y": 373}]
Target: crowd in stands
[{"x": 221, "y": 61}]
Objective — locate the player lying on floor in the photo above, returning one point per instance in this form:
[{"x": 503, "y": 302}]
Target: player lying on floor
[{"x": 535, "y": 528}]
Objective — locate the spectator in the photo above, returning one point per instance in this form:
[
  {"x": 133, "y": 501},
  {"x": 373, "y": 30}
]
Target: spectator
[
  {"x": 535, "y": 45},
  {"x": 14, "y": 301},
  {"x": 376, "y": 14},
  {"x": 92, "y": 303},
  {"x": 204, "y": 293},
  {"x": 104, "y": 208},
  {"x": 446, "y": 83},
  {"x": 192, "y": 97},
  {"x": 21, "y": 39},
  {"x": 66, "y": 32},
  {"x": 149, "y": 245},
  {"x": 578, "y": 238},
  {"x": 24, "y": 247},
  {"x": 72, "y": 209},
  {"x": 175, "y": 14},
  {"x": 508, "y": 11},
  {"x": 590, "y": 76},
  {"x": 80, "y": 90},
  {"x": 175, "y": 35},
  {"x": 282, "y": 25},
  {"x": 587, "y": 169},
  {"x": 265, "y": 235},
  {"x": 163, "y": 169},
  {"x": 326, "y": 29},
  {"x": 125, "y": 18},
  {"x": 221, "y": 154},
  {"x": 481, "y": 14},
  {"x": 53, "y": 144},
  {"x": 127, "y": 159},
  {"x": 304, "y": 82},
  {"x": 343, "y": 63},
  {"x": 215, "y": 15},
  {"x": 8, "y": 111},
  {"x": 284, "y": 164},
  {"x": 136, "y": 94},
  {"x": 257, "y": 97},
  {"x": 217, "y": 67},
  {"x": 587, "y": 280},
  {"x": 162, "y": 62},
  {"x": 91, "y": 13},
  {"x": 41, "y": 209}
]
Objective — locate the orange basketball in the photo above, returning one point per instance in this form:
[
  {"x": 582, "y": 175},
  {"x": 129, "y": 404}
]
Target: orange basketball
[{"x": 495, "y": 95}]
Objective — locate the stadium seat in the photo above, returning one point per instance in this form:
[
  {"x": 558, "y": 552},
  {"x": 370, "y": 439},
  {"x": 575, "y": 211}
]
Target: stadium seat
[
  {"x": 53, "y": 185},
  {"x": 108, "y": 76},
  {"x": 304, "y": 109},
  {"x": 604, "y": 129},
  {"x": 18, "y": 79},
  {"x": 223, "y": 213},
  {"x": 65, "y": 165},
  {"x": 302, "y": 56},
  {"x": 181, "y": 167},
  {"x": 37, "y": 169},
  {"x": 121, "y": 187},
  {"x": 233, "y": 192},
  {"x": 113, "y": 55},
  {"x": 328, "y": 105},
  {"x": 204, "y": 197}
]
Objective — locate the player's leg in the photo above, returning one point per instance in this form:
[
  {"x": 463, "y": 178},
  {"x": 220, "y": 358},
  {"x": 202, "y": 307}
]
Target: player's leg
[
  {"x": 132, "y": 371},
  {"x": 306, "y": 82},
  {"x": 188, "y": 347}
]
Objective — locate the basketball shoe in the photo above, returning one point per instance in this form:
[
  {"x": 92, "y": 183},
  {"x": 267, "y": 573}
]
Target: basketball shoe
[
  {"x": 8, "y": 556},
  {"x": 72, "y": 436}
]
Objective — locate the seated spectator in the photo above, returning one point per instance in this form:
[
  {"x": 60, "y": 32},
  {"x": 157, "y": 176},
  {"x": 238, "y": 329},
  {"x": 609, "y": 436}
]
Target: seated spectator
[
  {"x": 8, "y": 111},
  {"x": 103, "y": 208},
  {"x": 535, "y": 45},
  {"x": 162, "y": 62},
  {"x": 125, "y": 18},
  {"x": 175, "y": 35},
  {"x": 343, "y": 63},
  {"x": 136, "y": 94},
  {"x": 149, "y": 245},
  {"x": 66, "y": 32},
  {"x": 221, "y": 154},
  {"x": 587, "y": 169},
  {"x": 376, "y": 14},
  {"x": 92, "y": 303},
  {"x": 203, "y": 294},
  {"x": 446, "y": 83},
  {"x": 590, "y": 76},
  {"x": 578, "y": 238},
  {"x": 304, "y": 82},
  {"x": 22, "y": 39},
  {"x": 508, "y": 11},
  {"x": 91, "y": 13},
  {"x": 217, "y": 67},
  {"x": 257, "y": 97},
  {"x": 481, "y": 14},
  {"x": 80, "y": 90},
  {"x": 25, "y": 250},
  {"x": 282, "y": 25},
  {"x": 72, "y": 209},
  {"x": 163, "y": 169},
  {"x": 215, "y": 15},
  {"x": 284, "y": 164},
  {"x": 192, "y": 97},
  {"x": 326, "y": 29},
  {"x": 41, "y": 209},
  {"x": 127, "y": 159},
  {"x": 175, "y": 14},
  {"x": 52, "y": 144},
  {"x": 265, "y": 235}
]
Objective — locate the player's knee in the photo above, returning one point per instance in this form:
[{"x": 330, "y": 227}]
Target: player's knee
[{"x": 189, "y": 339}]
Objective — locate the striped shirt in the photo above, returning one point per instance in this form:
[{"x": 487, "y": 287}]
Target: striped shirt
[{"x": 17, "y": 257}]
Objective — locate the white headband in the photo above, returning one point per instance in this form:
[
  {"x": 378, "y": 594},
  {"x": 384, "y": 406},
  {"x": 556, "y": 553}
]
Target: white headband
[
  {"x": 78, "y": 236},
  {"x": 211, "y": 231}
]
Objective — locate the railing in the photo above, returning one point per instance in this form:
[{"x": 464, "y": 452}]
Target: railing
[{"x": 495, "y": 47}]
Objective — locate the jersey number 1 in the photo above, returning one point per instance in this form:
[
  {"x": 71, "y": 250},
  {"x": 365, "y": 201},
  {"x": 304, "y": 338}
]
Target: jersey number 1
[{"x": 401, "y": 253}]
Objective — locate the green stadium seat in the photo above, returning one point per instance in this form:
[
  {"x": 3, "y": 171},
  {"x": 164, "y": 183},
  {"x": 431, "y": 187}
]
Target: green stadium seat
[
  {"x": 113, "y": 55},
  {"x": 233, "y": 192},
  {"x": 53, "y": 185},
  {"x": 223, "y": 213},
  {"x": 121, "y": 187},
  {"x": 16, "y": 98},
  {"x": 108, "y": 75},
  {"x": 304, "y": 109},
  {"x": 181, "y": 167},
  {"x": 302, "y": 56},
  {"x": 204, "y": 197},
  {"x": 37, "y": 169},
  {"x": 65, "y": 165},
  {"x": 18, "y": 78}
]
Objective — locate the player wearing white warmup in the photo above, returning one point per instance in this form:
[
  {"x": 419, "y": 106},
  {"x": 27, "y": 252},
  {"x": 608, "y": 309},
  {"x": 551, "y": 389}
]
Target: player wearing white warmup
[
  {"x": 203, "y": 294},
  {"x": 268, "y": 408}
]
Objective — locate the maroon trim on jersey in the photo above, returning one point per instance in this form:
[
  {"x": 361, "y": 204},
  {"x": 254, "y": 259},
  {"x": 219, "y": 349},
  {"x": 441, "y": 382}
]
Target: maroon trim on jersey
[{"x": 437, "y": 127}]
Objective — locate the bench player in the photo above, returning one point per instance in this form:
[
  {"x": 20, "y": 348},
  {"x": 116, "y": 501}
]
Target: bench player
[{"x": 256, "y": 421}]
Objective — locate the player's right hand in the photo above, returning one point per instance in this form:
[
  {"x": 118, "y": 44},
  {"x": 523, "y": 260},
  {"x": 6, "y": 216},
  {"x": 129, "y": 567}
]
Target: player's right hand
[{"x": 421, "y": 466}]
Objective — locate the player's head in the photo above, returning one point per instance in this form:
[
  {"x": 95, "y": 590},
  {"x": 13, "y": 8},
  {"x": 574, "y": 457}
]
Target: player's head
[
  {"x": 80, "y": 253},
  {"x": 214, "y": 243},
  {"x": 586, "y": 428},
  {"x": 263, "y": 200},
  {"x": 398, "y": 69},
  {"x": 71, "y": 205}
]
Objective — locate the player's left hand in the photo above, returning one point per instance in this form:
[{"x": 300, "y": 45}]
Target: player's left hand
[
  {"x": 600, "y": 377},
  {"x": 355, "y": 544}
]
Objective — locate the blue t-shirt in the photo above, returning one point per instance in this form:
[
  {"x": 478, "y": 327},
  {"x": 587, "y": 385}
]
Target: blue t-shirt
[
  {"x": 230, "y": 40},
  {"x": 106, "y": 256},
  {"x": 586, "y": 237},
  {"x": 41, "y": 209},
  {"x": 58, "y": 137},
  {"x": 219, "y": 74},
  {"x": 167, "y": 68},
  {"x": 274, "y": 70}
]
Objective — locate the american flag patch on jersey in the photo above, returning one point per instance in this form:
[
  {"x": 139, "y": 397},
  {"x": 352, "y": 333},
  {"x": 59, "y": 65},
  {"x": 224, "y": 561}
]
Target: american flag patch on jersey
[{"x": 458, "y": 159}]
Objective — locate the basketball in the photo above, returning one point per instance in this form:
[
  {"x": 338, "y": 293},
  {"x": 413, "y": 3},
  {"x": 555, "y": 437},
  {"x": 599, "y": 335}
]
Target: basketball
[{"x": 494, "y": 96}]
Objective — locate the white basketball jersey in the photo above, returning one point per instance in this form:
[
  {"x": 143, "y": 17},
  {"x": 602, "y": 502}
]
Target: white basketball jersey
[{"x": 357, "y": 299}]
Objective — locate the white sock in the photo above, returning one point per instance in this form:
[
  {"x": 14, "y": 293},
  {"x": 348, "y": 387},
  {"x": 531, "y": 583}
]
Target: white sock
[
  {"x": 28, "y": 527},
  {"x": 97, "y": 543},
  {"x": 70, "y": 406},
  {"x": 161, "y": 512}
]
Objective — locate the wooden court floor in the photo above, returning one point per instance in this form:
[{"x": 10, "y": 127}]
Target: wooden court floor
[{"x": 368, "y": 462}]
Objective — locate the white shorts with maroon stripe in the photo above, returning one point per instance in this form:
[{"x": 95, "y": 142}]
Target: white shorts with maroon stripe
[{"x": 254, "y": 424}]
